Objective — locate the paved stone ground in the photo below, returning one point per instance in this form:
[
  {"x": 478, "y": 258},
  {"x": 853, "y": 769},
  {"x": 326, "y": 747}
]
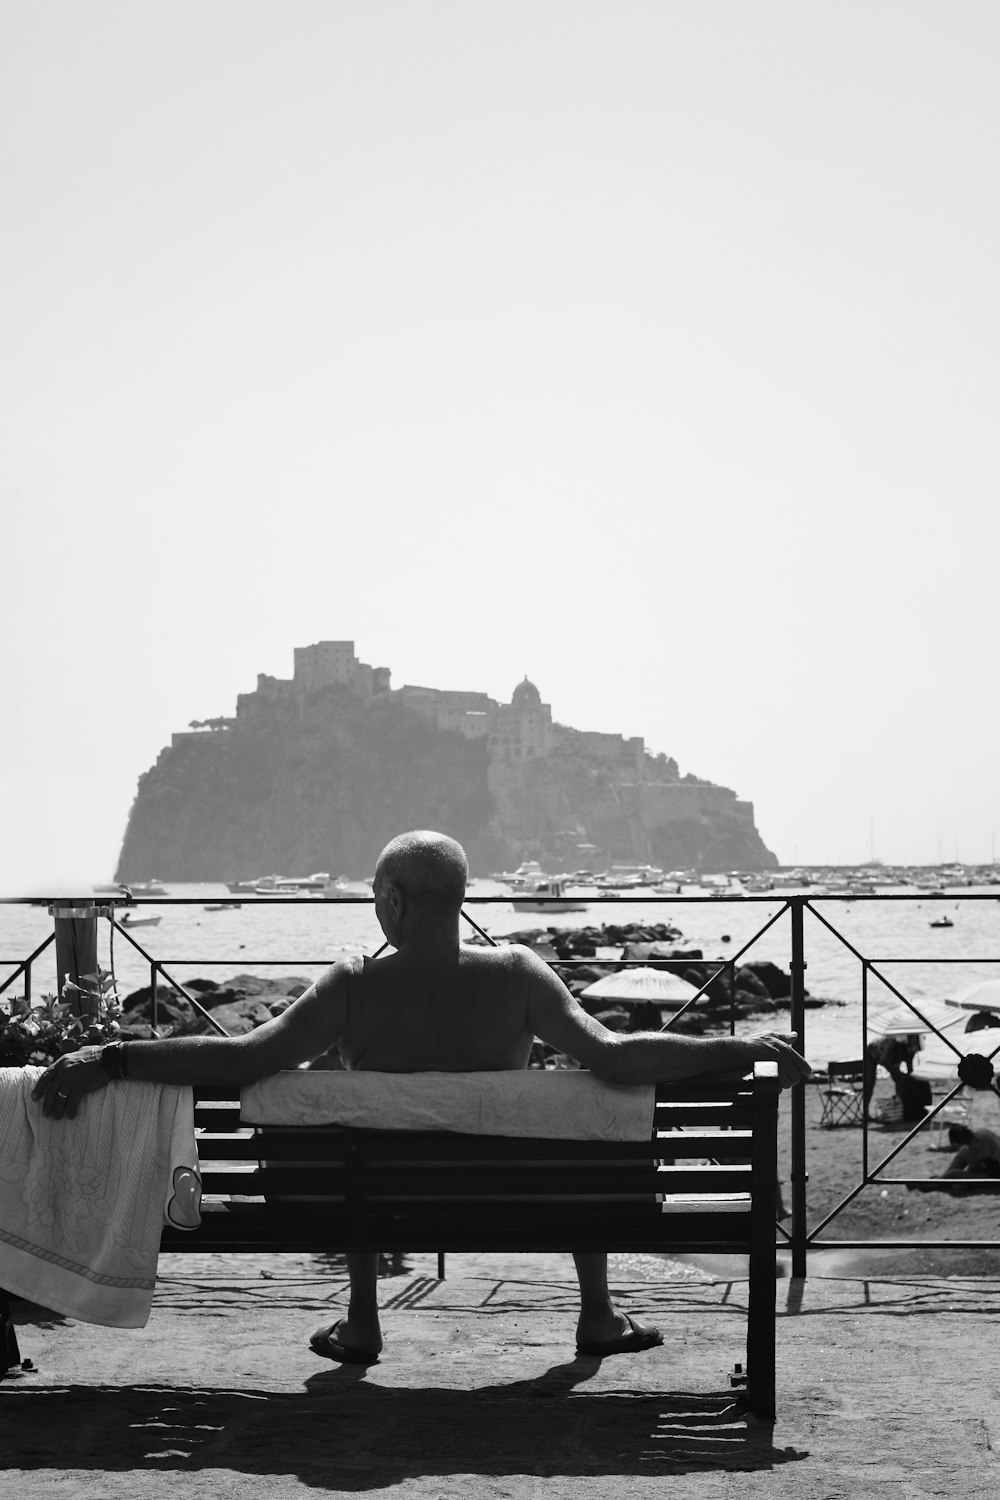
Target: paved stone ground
[{"x": 887, "y": 1388}]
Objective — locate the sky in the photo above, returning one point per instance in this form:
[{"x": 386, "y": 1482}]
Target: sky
[{"x": 647, "y": 348}]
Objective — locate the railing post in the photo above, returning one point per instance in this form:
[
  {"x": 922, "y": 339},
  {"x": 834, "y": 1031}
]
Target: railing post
[
  {"x": 797, "y": 968},
  {"x": 76, "y": 949}
]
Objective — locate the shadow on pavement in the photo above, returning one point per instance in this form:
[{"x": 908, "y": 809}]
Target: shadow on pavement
[{"x": 345, "y": 1433}]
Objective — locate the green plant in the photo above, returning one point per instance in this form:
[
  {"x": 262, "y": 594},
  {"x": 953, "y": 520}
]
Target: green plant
[{"x": 37, "y": 1033}]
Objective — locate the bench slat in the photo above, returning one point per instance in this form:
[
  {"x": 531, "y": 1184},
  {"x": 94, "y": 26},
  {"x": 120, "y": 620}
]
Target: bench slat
[
  {"x": 328, "y": 1229},
  {"x": 535, "y": 1179},
  {"x": 316, "y": 1145}
]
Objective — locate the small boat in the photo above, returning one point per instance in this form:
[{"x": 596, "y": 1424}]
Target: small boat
[
  {"x": 291, "y": 885},
  {"x": 224, "y": 906},
  {"x": 524, "y": 878},
  {"x": 242, "y": 887},
  {"x": 942, "y": 922},
  {"x": 147, "y": 888},
  {"x": 548, "y": 895},
  {"x": 128, "y": 921}
]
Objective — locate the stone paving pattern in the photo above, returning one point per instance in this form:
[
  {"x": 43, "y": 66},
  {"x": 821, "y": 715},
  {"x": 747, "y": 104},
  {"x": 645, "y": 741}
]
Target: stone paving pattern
[{"x": 887, "y": 1388}]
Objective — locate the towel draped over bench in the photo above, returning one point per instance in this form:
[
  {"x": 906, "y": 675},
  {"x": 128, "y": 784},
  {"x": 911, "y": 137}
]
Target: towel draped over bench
[
  {"x": 83, "y": 1201},
  {"x": 550, "y": 1105}
]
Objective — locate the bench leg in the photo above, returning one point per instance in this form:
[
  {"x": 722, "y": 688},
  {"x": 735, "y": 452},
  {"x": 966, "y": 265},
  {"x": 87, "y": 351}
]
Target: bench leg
[
  {"x": 762, "y": 1293},
  {"x": 10, "y": 1354}
]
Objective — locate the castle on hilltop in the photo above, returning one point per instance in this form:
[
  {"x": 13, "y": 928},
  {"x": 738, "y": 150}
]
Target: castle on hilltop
[
  {"x": 318, "y": 770},
  {"x": 520, "y": 730}
]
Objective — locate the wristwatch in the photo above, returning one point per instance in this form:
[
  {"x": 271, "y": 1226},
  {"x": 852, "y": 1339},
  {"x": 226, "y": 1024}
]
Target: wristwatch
[{"x": 113, "y": 1060}]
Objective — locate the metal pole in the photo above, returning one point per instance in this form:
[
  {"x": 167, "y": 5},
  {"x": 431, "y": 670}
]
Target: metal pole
[{"x": 798, "y": 1098}]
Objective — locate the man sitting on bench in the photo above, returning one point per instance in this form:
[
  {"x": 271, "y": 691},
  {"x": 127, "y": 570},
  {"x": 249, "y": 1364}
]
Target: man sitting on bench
[{"x": 433, "y": 1005}]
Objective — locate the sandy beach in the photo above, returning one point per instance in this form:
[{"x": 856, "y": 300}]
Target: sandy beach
[{"x": 886, "y": 1210}]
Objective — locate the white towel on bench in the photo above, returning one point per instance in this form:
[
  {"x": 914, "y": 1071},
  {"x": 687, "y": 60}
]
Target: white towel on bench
[
  {"x": 548, "y": 1104},
  {"x": 82, "y": 1201}
]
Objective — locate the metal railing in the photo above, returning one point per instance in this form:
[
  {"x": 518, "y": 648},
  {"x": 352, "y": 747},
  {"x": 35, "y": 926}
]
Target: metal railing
[{"x": 799, "y": 1236}]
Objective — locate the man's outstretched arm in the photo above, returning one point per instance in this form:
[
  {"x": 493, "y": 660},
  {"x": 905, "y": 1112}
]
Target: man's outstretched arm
[
  {"x": 311, "y": 1025},
  {"x": 643, "y": 1056}
]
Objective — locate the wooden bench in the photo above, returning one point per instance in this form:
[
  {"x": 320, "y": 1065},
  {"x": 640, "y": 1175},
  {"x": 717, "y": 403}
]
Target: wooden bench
[{"x": 705, "y": 1181}]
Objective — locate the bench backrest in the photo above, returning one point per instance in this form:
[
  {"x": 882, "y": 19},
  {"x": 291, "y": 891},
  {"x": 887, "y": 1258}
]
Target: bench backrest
[{"x": 710, "y": 1157}]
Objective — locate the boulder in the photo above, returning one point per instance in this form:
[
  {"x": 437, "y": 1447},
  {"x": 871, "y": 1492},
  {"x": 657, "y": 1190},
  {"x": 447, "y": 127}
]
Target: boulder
[
  {"x": 777, "y": 983},
  {"x": 172, "y": 1012},
  {"x": 269, "y": 987},
  {"x": 236, "y": 1018},
  {"x": 658, "y": 949},
  {"x": 750, "y": 982}
]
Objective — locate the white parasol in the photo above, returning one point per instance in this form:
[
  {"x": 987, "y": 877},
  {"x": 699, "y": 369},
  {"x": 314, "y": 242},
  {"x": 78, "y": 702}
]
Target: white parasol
[
  {"x": 635, "y": 986},
  {"x": 939, "y": 1061},
  {"x": 983, "y": 995}
]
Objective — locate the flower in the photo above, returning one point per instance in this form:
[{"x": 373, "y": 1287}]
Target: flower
[{"x": 38, "y": 1032}]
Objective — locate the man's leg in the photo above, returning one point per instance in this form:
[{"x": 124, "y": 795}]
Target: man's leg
[
  {"x": 600, "y": 1322},
  {"x": 359, "y": 1333}
]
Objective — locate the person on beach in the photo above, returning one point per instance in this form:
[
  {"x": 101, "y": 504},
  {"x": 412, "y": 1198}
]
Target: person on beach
[
  {"x": 431, "y": 1005},
  {"x": 978, "y": 1153},
  {"x": 977, "y": 1157},
  {"x": 893, "y": 1053}
]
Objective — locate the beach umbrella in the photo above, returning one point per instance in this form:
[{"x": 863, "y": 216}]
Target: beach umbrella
[
  {"x": 891, "y": 1018},
  {"x": 637, "y": 986},
  {"x": 939, "y": 1061},
  {"x": 983, "y": 995}
]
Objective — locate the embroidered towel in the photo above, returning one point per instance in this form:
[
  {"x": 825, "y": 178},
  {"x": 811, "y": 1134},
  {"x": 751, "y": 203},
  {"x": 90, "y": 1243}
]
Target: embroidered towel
[
  {"x": 552, "y": 1105},
  {"x": 82, "y": 1201}
]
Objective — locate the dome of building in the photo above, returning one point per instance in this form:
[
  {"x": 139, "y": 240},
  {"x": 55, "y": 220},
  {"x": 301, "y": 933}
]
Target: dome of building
[{"x": 526, "y": 696}]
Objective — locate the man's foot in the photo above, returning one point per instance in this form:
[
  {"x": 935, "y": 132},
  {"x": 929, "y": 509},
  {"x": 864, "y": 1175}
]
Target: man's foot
[
  {"x": 339, "y": 1342},
  {"x": 631, "y": 1337}
]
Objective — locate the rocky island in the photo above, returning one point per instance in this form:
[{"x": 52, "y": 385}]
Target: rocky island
[{"x": 318, "y": 771}]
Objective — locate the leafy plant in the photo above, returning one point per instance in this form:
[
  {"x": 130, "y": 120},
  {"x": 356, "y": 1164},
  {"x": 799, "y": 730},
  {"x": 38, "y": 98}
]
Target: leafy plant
[{"x": 85, "y": 1014}]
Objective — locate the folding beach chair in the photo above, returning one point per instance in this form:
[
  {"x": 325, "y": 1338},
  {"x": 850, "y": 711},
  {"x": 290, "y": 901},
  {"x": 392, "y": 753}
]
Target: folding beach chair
[{"x": 843, "y": 1095}]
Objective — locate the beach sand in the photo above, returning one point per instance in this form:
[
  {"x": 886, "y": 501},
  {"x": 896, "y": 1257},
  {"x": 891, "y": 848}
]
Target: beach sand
[{"x": 886, "y": 1210}]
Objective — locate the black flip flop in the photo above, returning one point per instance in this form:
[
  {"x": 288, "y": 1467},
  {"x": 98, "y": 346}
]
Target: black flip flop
[
  {"x": 639, "y": 1337},
  {"x": 323, "y": 1343}
]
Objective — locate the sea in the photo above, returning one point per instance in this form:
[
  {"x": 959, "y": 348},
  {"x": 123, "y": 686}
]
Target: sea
[{"x": 907, "y": 956}]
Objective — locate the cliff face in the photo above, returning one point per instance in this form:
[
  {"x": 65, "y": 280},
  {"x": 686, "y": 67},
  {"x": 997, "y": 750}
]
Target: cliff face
[
  {"x": 325, "y": 789},
  {"x": 280, "y": 795},
  {"x": 550, "y": 806}
]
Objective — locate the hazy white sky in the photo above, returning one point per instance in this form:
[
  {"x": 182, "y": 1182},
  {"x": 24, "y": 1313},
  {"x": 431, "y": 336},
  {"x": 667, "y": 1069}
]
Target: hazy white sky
[{"x": 649, "y": 349}]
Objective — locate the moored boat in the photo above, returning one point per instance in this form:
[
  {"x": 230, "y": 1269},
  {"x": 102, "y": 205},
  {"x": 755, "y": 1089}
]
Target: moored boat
[{"x": 548, "y": 895}]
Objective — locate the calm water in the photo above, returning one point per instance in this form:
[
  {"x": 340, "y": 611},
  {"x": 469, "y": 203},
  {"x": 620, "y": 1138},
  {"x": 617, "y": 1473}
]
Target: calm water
[{"x": 304, "y": 938}]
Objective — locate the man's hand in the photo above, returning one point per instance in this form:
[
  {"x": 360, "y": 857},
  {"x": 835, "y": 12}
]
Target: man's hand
[
  {"x": 69, "y": 1079},
  {"x": 778, "y": 1047}
]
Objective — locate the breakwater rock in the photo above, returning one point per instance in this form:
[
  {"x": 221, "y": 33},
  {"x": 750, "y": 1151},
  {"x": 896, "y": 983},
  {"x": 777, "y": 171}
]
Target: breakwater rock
[{"x": 238, "y": 1005}]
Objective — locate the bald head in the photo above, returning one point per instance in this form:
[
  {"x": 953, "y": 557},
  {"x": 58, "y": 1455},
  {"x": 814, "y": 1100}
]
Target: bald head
[{"x": 430, "y": 868}]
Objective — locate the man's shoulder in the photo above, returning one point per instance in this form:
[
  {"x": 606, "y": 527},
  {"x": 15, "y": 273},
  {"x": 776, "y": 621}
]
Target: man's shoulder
[
  {"x": 344, "y": 970},
  {"x": 501, "y": 956}
]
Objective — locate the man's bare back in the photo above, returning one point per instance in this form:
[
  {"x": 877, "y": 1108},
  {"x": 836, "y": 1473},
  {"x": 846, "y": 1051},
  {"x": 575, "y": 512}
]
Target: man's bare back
[{"x": 466, "y": 1013}]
